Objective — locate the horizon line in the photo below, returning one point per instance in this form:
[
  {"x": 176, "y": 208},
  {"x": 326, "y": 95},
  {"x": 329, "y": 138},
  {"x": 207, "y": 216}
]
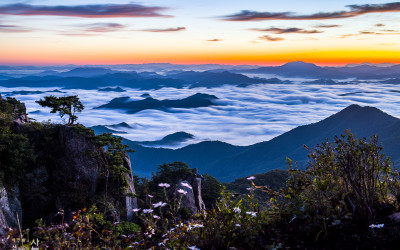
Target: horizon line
[{"x": 327, "y": 64}]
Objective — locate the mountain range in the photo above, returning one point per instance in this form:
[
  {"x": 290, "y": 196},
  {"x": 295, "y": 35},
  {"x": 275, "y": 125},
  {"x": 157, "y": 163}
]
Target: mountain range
[
  {"x": 227, "y": 162},
  {"x": 97, "y": 77},
  {"x": 309, "y": 70}
]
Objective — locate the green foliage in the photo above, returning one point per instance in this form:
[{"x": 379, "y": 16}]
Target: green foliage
[
  {"x": 114, "y": 154},
  {"x": 353, "y": 169},
  {"x": 344, "y": 184},
  {"x": 211, "y": 190},
  {"x": 10, "y": 108},
  {"x": 87, "y": 229},
  {"x": 274, "y": 179},
  {"x": 16, "y": 155},
  {"x": 171, "y": 173},
  {"x": 80, "y": 129},
  {"x": 125, "y": 227},
  {"x": 67, "y": 105}
]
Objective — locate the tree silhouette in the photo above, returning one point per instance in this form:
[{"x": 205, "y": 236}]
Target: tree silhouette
[{"x": 66, "y": 105}]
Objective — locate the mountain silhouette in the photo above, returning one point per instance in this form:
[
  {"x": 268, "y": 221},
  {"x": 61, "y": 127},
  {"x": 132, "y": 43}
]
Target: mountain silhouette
[
  {"x": 171, "y": 140},
  {"x": 85, "y": 72},
  {"x": 109, "y": 89},
  {"x": 193, "y": 101},
  {"x": 312, "y": 71}
]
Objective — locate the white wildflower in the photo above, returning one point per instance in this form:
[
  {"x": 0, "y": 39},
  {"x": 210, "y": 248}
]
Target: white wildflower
[
  {"x": 193, "y": 248},
  {"x": 184, "y": 184},
  {"x": 147, "y": 211},
  {"x": 181, "y": 191},
  {"x": 166, "y": 185},
  {"x": 254, "y": 214},
  {"x": 150, "y": 196},
  {"x": 160, "y": 204},
  {"x": 156, "y": 217},
  {"x": 250, "y": 188},
  {"x": 250, "y": 178},
  {"x": 135, "y": 210},
  {"x": 237, "y": 225},
  {"x": 237, "y": 210},
  {"x": 376, "y": 226}
]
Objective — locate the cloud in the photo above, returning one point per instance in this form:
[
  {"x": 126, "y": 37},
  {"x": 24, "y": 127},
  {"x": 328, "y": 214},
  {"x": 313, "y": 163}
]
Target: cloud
[
  {"x": 77, "y": 34},
  {"x": 288, "y": 30},
  {"x": 13, "y": 29},
  {"x": 249, "y": 116},
  {"x": 390, "y": 31},
  {"x": 387, "y": 44},
  {"x": 165, "y": 30},
  {"x": 104, "y": 27},
  {"x": 214, "y": 40},
  {"x": 272, "y": 39},
  {"x": 328, "y": 26},
  {"x": 380, "y": 25},
  {"x": 355, "y": 10},
  {"x": 88, "y": 11},
  {"x": 384, "y": 32}
]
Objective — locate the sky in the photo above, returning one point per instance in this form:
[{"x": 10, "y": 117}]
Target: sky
[{"x": 257, "y": 32}]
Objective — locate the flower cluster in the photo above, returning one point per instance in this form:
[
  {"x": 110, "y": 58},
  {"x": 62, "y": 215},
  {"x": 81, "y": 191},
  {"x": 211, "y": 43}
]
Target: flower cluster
[
  {"x": 166, "y": 185},
  {"x": 254, "y": 214},
  {"x": 184, "y": 184},
  {"x": 181, "y": 191},
  {"x": 376, "y": 226}
]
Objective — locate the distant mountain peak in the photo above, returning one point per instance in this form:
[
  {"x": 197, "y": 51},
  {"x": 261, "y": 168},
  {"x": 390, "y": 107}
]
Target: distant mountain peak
[
  {"x": 87, "y": 72},
  {"x": 299, "y": 64},
  {"x": 366, "y": 110},
  {"x": 170, "y": 140},
  {"x": 120, "y": 125}
]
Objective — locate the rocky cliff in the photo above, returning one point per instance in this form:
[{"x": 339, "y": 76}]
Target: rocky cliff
[{"x": 70, "y": 171}]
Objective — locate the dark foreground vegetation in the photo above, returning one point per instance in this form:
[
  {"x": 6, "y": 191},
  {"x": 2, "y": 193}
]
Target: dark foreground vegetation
[{"x": 347, "y": 198}]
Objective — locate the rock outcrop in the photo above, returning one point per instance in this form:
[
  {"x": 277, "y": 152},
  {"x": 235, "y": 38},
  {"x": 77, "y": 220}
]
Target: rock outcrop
[
  {"x": 188, "y": 199},
  {"x": 68, "y": 176},
  {"x": 197, "y": 194},
  {"x": 10, "y": 208},
  {"x": 68, "y": 173},
  {"x": 130, "y": 200},
  {"x": 192, "y": 200}
]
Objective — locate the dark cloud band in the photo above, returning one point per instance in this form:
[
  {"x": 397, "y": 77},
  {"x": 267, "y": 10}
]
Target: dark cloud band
[
  {"x": 272, "y": 39},
  {"x": 355, "y": 10},
  {"x": 104, "y": 27},
  {"x": 88, "y": 11},
  {"x": 165, "y": 30},
  {"x": 288, "y": 30},
  {"x": 13, "y": 29}
]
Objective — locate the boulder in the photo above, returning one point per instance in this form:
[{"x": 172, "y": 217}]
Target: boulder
[
  {"x": 10, "y": 208},
  {"x": 395, "y": 217},
  {"x": 188, "y": 199}
]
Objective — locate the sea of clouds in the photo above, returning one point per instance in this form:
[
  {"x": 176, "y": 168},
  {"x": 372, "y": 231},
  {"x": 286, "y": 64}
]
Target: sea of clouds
[{"x": 245, "y": 115}]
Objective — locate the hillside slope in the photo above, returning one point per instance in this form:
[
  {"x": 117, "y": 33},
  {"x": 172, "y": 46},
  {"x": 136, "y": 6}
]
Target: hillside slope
[{"x": 227, "y": 162}]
